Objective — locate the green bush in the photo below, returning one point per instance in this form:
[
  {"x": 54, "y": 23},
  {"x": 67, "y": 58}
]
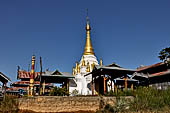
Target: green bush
[
  {"x": 125, "y": 93},
  {"x": 75, "y": 92},
  {"x": 59, "y": 92},
  {"x": 146, "y": 99}
]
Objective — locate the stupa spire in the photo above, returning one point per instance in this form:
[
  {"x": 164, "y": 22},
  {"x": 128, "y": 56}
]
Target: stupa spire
[{"x": 88, "y": 48}]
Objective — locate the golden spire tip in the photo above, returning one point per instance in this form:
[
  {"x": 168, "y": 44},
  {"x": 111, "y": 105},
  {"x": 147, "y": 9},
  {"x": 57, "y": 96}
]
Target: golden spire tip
[{"x": 88, "y": 48}]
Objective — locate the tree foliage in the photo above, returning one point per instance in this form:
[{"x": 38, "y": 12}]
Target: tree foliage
[{"x": 164, "y": 55}]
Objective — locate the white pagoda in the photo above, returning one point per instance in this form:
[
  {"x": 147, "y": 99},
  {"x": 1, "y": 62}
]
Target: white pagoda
[{"x": 86, "y": 64}]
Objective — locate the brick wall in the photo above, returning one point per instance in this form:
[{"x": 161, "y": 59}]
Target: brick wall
[{"x": 64, "y": 104}]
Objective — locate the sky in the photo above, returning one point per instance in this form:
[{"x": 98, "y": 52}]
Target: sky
[{"x": 128, "y": 32}]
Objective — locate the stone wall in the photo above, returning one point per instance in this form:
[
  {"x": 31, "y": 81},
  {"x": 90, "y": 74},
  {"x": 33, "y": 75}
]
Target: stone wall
[{"x": 64, "y": 104}]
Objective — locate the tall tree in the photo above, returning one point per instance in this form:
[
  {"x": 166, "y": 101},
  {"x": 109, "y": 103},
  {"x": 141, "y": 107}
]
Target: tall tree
[{"x": 164, "y": 55}]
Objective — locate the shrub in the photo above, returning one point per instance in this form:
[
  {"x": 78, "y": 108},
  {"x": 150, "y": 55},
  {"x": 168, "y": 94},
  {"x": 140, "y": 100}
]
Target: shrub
[
  {"x": 59, "y": 92},
  {"x": 147, "y": 98},
  {"x": 120, "y": 106},
  {"x": 75, "y": 92},
  {"x": 9, "y": 104},
  {"x": 120, "y": 93}
]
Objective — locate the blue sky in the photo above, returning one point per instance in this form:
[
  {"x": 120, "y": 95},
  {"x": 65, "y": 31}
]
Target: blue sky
[{"x": 128, "y": 32}]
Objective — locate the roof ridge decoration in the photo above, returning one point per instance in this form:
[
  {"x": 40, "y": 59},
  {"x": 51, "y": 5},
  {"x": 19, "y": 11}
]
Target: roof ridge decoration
[{"x": 56, "y": 72}]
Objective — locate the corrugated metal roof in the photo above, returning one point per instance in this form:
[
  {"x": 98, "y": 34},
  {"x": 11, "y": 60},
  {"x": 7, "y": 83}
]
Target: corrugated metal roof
[
  {"x": 110, "y": 69},
  {"x": 117, "y": 68}
]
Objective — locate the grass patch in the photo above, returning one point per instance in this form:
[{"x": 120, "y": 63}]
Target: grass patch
[{"x": 146, "y": 99}]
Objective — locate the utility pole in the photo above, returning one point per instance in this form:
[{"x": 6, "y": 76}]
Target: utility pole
[{"x": 40, "y": 75}]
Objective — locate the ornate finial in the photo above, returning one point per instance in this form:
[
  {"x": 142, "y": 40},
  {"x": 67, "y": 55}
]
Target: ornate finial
[
  {"x": 83, "y": 62},
  {"x": 87, "y": 18},
  {"x": 101, "y": 62},
  {"x": 92, "y": 66},
  {"x": 78, "y": 70},
  {"x": 88, "y": 67},
  {"x": 88, "y": 48},
  {"x": 87, "y": 11},
  {"x": 74, "y": 72},
  {"x": 76, "y": 65},
  {"x": 88, "y": 23}
]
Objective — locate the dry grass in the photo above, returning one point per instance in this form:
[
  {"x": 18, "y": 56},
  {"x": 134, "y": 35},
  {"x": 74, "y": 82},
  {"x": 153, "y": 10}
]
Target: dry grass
[{"x": 9, "y": 105}]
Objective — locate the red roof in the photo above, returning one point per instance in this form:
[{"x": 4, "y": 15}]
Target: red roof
[
  {"x": 25, "y": 74},
  {"x": 16, "y": 88},
  {"x": 27, "y": 83},
  {"x": 160, "y": 73},
  {"x": 151, "y": 66}
]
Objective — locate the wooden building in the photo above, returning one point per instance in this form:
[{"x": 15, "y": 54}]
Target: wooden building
[
  {"x": 23, "y": 83},
  {"x": 111, "y": 76},
  {"x": 48, "y": 78},
  {"x": 4, "y": 80},
  {"x": 62, "y": 78},
  {"x": 156, "y": 75}
]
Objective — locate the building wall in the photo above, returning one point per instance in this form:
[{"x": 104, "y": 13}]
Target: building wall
[
  {"x": 65, "y": 104},
  {"x": 161, "y": 86}
]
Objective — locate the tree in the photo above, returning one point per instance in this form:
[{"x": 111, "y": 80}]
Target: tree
[{"x": 164, "y": 55}]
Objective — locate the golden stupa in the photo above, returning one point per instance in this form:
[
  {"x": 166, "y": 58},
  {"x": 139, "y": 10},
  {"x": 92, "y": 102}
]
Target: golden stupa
[{"x": 88, "y": 48}]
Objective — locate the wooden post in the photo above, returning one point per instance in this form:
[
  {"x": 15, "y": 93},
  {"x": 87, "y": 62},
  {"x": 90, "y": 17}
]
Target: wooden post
[
  {"x": 68, "y": 86},
  {"x": 115, "y": 89},
  {"x": 112, "y": 88},
  {"x": 104, "y": 84},
  {"x": 125, "y": 83},
  {"x": 92, "y": 86},
  {"x": 111, "y": 85},
  {"x": 4, "y": 89},
  {"x": 40, "y": 77},
  {"x": 28, "y": 90},
  {"x": 44, "y": 87},
  {"x": 95, "y": 88},
  {"x": 132, "y": 87}
]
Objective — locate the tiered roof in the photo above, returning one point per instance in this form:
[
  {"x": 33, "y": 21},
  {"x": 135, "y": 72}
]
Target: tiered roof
[{"x": 24, "y": 74}]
